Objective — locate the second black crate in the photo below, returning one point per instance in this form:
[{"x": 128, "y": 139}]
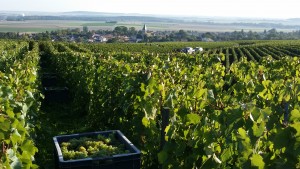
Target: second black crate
[{"x": 56, "y": 94}]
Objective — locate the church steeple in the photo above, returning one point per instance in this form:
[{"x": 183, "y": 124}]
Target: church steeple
[{"x": 144, "y": 29}]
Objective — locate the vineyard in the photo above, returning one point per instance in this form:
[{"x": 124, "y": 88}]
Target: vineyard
[
  {"x": 234, "y": 105},
  {"x": 19, "y": 101}
]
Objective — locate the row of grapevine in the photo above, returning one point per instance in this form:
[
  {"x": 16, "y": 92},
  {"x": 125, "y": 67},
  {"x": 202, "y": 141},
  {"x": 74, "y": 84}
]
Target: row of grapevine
[
  {"x": 250, "y": 57},
  {"x": 247, "y": 117},
  {"x": 256, "y": 49},
  {"x": 257, "y": 56},
  {"x": 166, "y": 47},
  {"x": 99, "y": 81},
  {"x": 256, "y": 52},
  {"x": 10, "y": 51},
  {"x": 19, "y": 103},
  {"x": 250, "y": 124}
]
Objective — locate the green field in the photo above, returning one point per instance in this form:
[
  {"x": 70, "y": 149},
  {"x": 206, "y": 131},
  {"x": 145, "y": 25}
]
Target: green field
[
  {"x": 44, "y": 25},
  {"x": 98, "y": 24},
  {"x": 29, "y": 30}
]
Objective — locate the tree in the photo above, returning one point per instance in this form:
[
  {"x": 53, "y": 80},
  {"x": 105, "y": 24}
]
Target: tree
[
  {"x": 80, "y": 39},
  {"x": 120, "y": 30},
  {"x": 208, "y": 35},
  {"x": 132, "y": 31},
  {"x": 182, "y": 34},
  {"x": 139, "y": 35},
  {"x": 272, "y": 34},
  {"x": 85, "y": 29}
]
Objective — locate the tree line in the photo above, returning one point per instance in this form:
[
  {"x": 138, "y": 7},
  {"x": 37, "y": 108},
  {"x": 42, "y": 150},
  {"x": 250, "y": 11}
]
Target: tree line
[{"x": 82, "y": 35}]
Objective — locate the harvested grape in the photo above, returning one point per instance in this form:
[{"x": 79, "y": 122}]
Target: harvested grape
[{"x": 92, "y": 147}]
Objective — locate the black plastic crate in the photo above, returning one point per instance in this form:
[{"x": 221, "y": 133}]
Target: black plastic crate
[
  {"x": 56, "y": 94},
  {"x": 130, "y": 160},
  {"x": 49, "y": 80}
]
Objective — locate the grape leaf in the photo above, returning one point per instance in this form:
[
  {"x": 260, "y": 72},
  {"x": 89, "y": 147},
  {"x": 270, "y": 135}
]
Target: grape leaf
[
  {"x": 192, "y": 119},
  {"x": 10, "y": 113},
  {"x": 145, "y": 122},
  {"x": 5, "y": 125},
  {"x": 257, "y": 161},
  {"x": 162, "y": 157},
  {"x": 29, "y": 147},
  {"x": 226, "y": 154},
  {"x": 258, "y": 129},
  {"x": 15, "y": 136},
  {"x": 295, "y": 115}
]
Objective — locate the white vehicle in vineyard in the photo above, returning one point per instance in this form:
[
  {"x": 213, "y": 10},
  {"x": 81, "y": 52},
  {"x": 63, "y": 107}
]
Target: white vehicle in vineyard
[
  {"x": 198, "y": 49},
  {"x": 188, "y": 50}
]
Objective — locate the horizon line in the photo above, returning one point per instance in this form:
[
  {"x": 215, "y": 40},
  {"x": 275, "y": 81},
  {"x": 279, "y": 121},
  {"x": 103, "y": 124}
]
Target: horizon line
[{"x": 152, "y": 14}]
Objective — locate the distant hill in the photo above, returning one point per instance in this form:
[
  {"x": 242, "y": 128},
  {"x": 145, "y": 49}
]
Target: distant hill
[
  {"x": 90, "y": 13},
  {"x": 83, "y": 16},
  {"x": 239, "y": 23},
  {"x": 294, "y": 19}
]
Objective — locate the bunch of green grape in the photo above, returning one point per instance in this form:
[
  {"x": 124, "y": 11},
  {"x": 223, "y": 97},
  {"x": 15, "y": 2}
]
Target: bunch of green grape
[{"x": 86, "y": 147}]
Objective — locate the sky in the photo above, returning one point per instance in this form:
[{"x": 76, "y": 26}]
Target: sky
[{"x": 226, "y": 8}]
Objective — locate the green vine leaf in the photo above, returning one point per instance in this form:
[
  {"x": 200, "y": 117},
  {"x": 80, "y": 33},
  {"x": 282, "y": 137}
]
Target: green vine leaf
[
  {"x": 295, "y": 116},
  {"x": 257, "y": 161},
  {"x": 15, "y": 136},
  {"x": 192, "y": 119},
  {"x": 162, "y": 157},
  {"x": 258, "y": 129},
  {"x": 145, "y": 122}
]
